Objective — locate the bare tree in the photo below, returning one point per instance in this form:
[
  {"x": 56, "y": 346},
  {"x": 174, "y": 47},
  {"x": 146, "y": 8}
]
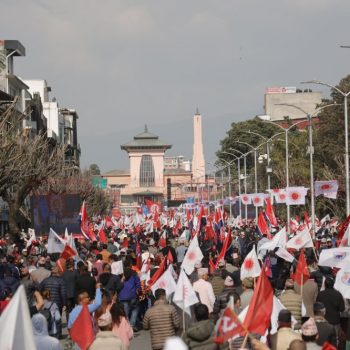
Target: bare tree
[{"x": 25, "y": 162}]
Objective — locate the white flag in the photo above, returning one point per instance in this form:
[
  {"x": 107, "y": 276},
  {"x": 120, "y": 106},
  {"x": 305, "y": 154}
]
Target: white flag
[
  {"x": 66, "y": 235},
  {"x": 296, "y": 195},
  {"x": 250, "y": 266},
  {"x": 166, "y": 282},
  {"x": 301, "y": 240},
  {"x": 342, "y": 281},
  {"x": 325, "y": 219},
  {"x": 55, "y": 244},
  {"x": 185, "y": 296},
  {"x": 16, "y": 330},
  {"x": 193, "y": 255},
  {"x": 32, "y": 237},
  {"x": 284, "y": 254},
  {"x": 279, "y": 240},
  {"x": 334, "y": 257}
]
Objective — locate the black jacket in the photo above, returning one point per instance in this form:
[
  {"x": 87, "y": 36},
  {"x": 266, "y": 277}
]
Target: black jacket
[
  {"x": 86, "y": 283},
  {"x": 111, "y": 282},
  {"x": 70, "y": 278},
  {"x": 334, "y": 303},
  {"x": 58, "y": 289}
]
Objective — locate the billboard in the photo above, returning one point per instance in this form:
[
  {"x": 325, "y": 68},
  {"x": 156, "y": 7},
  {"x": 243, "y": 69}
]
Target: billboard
[{"x": 56, "y": 211}]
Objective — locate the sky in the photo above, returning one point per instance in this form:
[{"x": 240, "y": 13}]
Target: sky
[{"x": 124, "y": 64}]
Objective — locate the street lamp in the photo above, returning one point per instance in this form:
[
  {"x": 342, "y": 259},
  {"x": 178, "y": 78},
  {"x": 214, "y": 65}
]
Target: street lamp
[
  {"x": 241, "y": 176},
  {"x": 266, "y": 119},
  {"x": 311, "y": 149},
  {"x": 229, "y": 180},
  {"x": 345, "y": 96},
  {"x": 255, "y": 171}
]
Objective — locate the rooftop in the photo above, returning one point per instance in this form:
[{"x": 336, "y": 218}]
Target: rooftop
[
  {"x": 116, "y": 173},
  {"x": 145, "y": 140}
]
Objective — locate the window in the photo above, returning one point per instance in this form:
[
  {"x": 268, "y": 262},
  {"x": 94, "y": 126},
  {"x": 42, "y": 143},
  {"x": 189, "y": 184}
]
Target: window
[{"x": 146, "y": 171}]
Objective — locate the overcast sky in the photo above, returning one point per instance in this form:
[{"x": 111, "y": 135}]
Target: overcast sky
[{"x": 124, "y": 64}]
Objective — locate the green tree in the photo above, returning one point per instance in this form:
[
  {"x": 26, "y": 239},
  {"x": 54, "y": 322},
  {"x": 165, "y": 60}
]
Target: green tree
[{"x": 94, "y": 169}]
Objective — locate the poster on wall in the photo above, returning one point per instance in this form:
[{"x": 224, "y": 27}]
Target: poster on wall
[{"x": 55, "y": 211}]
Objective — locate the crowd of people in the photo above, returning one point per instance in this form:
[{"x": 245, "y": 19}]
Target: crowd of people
[{"x": 107, "y": 281}]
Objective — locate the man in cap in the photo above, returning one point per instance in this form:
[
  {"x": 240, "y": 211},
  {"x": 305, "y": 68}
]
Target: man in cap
[
  {"x": 285, "y": 334},
  {"x": 309, "y": 334},
  {"x": 204, "y": 289},
  {"x": 291, "y": 300},
  {"x": 105, "y": 338},
  {"x": 325, "y": 330}
]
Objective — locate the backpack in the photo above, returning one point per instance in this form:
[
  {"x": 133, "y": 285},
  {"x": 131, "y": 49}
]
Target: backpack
[{"x": 47, "y": 314}]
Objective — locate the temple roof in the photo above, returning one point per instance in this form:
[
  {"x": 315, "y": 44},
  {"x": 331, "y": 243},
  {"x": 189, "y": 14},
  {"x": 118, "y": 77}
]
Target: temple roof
[{"x": 145, "y": 140}]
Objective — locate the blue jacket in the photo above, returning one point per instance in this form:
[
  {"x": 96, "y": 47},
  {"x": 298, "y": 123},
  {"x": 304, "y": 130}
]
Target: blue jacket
[
  {"x": 92, "y": 308},
  {"x": 131, "y": 288}
]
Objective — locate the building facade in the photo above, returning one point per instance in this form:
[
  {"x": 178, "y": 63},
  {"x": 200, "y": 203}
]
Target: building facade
[{"x": 160, "y": 178}]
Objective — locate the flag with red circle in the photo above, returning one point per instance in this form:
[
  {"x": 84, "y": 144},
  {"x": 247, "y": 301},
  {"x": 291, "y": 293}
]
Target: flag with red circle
[
  {"x": 328, "y": 188},
  {"x": 296, "y": 195},
  {"x": 279, "y": 195},
  {"x": 246, "y": 199},
  {"x": 258, "y": 199},
  {"x": 250, "y": 266}
]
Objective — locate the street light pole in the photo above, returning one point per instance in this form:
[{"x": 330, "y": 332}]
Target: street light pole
[
  {"x": 345, "y": 96},
  {"x": 311, "y": 150},
  {"x": 286, "y": 130}
]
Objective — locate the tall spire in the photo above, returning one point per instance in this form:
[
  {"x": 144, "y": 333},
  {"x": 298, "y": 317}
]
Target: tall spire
[
  {"x": 198, "y": 162},
  {"x": 197, "y": 111},
  {"x": 146, "y": 129}
]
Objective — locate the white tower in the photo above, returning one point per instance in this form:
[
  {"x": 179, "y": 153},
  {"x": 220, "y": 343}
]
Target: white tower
[{"x": 198, "y": 163}]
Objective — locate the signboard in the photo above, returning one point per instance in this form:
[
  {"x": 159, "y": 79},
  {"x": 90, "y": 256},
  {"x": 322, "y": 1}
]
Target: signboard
[
  {"x": 281, "y": 90},
  {"x": 99, "y": 182}
]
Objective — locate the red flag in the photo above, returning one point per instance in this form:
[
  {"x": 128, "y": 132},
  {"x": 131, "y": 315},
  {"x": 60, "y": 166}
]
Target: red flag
[
  {"x": 68, "y": 252},
  {"x": 225, "y": 246},
  {"x": 258, "y": 316},
  {"x": 125, "y": 243},
  {"x": 270, "y": 212},
  {"x": 301, "y": 274},
  {"x": 212, "y": 266},
  {"x": 84, "y": 224},
  {"x": 158, "y": 273},
  {"x": 170, "y": 257},
  {"x": 138, "y": 255},
  {"x": 108, "y": 222},
  {"x": 228, "y": 326},
  {"x": 162, "y": 240},
  {"x": 262, "y": 225},
  {"x": 102, "y": 235},
  {"x": 306, "y": 219},
  {"x": 82, "y": 331},
  {"x": 328, "y": 346},
  {"x": 342, "y": 228}
]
